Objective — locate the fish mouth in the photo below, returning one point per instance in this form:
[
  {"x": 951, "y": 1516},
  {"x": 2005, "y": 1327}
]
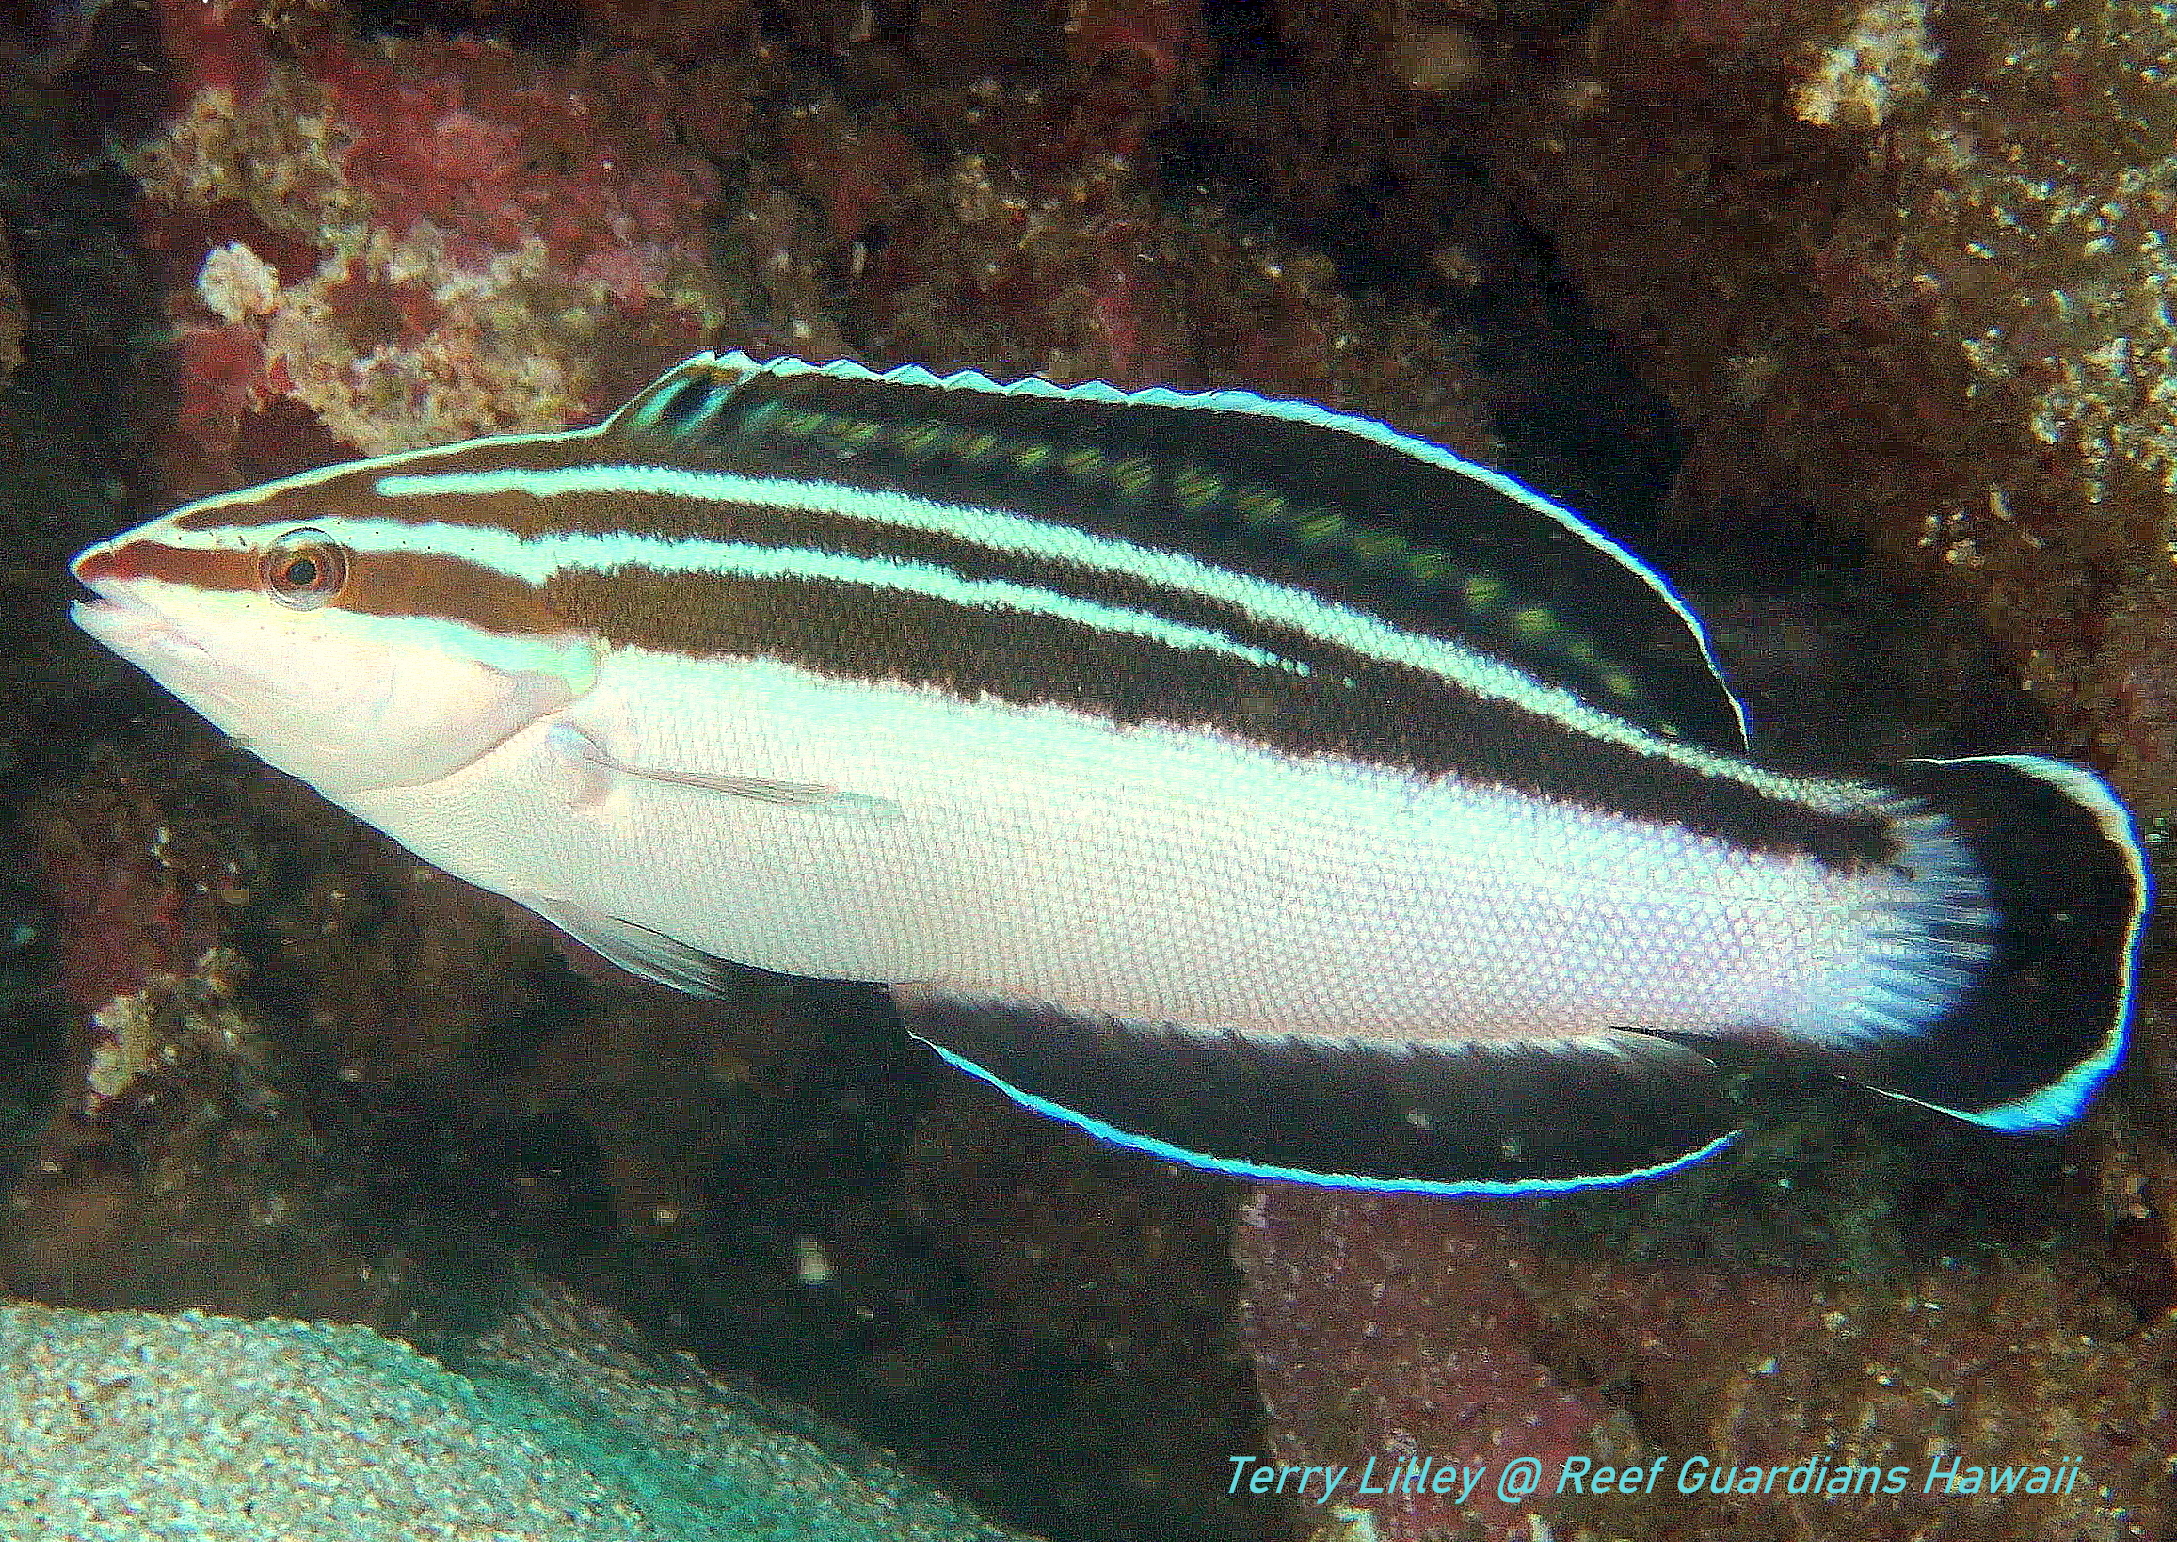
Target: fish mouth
[
  {"x": 147, "y": 637},
  {"x": 115, "y": 612},
  {"x": 128, "y": 624}
]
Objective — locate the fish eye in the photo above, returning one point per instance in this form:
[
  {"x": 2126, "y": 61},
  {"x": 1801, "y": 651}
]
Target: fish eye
[{"x": 303, "y": 569}]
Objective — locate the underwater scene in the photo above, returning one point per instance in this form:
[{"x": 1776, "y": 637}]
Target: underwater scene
[{"x": 1106, "y": 770}]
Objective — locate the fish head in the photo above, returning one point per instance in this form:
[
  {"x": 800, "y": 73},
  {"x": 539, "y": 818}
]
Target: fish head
[{"x": 351, "y": 649}]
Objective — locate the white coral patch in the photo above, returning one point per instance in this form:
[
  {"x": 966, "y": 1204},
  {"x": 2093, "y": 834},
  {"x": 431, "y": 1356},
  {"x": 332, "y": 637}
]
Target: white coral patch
[
  {"x": 1882, "y": 63},
  {"x": 235, "y": 282}
]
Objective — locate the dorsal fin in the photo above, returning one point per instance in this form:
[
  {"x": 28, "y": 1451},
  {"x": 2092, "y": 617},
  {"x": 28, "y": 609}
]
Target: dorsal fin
[
  {"x": 1343, "y": 505},
  {"x": 680, "y": 406}
]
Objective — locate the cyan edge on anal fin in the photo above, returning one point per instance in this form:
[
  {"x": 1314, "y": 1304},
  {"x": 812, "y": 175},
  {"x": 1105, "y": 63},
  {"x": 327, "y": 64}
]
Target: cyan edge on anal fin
[{"x": 1480, "y": 1120}]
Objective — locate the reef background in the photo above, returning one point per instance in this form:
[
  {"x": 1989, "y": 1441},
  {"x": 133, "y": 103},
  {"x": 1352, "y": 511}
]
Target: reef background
[{"x": 1854, "y": 317}]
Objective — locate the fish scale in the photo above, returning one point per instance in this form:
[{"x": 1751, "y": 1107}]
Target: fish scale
[{"x": 1239, "y": 780}]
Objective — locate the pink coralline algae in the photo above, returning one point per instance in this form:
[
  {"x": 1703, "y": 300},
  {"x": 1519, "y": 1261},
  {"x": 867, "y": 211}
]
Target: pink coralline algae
[
  {"x": 216, "y": 44},
  {"x": 141, "y": 919},
  {"x": 1457, "y": 1337},
  {"x": 126, "y": 912},
  {"x": 397, "y": 244},
  {"x": 1162, "y": 46},
  {"x": 1396, "y": 1331},
  {"x": 494, "y": 150}
]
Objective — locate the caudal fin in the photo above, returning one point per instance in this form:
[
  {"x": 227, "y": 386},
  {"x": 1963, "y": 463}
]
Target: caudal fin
[{"x": 2043, "y": 1021}]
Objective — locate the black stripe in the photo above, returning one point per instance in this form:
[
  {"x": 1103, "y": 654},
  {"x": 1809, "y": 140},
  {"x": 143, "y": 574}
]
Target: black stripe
[
  {"x": 684, "y": 402},
  {"x": 1387, "y": 715},
  {"x": 1361, "y": 522}
]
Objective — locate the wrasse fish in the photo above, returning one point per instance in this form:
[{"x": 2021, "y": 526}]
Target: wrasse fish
[{"x": 1243, "y": 781}]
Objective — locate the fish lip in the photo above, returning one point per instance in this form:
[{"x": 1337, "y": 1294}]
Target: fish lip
[
  {"x": 141, "y": 634},
  {"x": 122, "y": 619},
  {"x": 115, "y": 602}
]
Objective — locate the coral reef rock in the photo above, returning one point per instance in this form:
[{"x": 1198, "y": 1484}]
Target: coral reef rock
[
  {"x": 402, "y": 243},
  {"x": 1437, "y": 1336},
  {"x": 12, "y": 319},
  {"x": 1907, "y": 266}
]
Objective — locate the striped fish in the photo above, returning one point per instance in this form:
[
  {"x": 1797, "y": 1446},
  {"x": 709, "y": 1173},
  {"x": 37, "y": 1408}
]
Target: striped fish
[{"x": 1242, "y": 781}]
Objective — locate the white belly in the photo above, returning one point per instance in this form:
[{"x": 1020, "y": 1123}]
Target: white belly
[{"x": 1041, "y": 853}]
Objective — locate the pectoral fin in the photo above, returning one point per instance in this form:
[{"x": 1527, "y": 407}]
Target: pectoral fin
[{"x": 589, "y": 768}]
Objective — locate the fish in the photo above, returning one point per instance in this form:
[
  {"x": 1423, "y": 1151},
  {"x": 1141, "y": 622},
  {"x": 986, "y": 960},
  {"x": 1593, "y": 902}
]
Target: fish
[{"x": 1240, "y": 780}]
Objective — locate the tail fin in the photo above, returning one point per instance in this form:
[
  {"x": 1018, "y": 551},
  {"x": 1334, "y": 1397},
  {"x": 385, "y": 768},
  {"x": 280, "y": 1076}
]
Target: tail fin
[{"x": 2043, "y": 1021}]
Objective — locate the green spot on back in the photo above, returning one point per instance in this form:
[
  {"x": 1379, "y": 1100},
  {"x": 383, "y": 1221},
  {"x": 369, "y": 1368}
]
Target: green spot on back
[
  {"x": 920, "y": 440},
  {"x": 1195, "y": 489},
  {"x": 1319, "y": 528},
  {"x": 1481, "y": 591},
  {"x": 1532, "y": 622},
  {"x": 759, "y": 417},
  {"x": 1137, "y": 479}
]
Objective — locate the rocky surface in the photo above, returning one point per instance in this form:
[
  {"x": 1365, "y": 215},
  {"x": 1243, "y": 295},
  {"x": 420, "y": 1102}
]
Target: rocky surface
[
  {"x": 1471, "y": 1337},
  {"x": 11, "y": 313}
]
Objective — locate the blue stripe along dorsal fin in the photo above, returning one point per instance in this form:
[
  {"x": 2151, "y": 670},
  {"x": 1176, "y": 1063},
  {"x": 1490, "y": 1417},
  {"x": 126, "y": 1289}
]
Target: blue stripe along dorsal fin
[
  {"x": 1340, "y": 503},
  {"x": 1496, "y": 1119}
]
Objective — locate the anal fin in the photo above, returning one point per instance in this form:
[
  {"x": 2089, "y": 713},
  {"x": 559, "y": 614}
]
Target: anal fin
[{"x": 1476, "y": 1119}]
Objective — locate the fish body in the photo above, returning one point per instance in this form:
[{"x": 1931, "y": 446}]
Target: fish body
[{"x": 1240, "y": 780}]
